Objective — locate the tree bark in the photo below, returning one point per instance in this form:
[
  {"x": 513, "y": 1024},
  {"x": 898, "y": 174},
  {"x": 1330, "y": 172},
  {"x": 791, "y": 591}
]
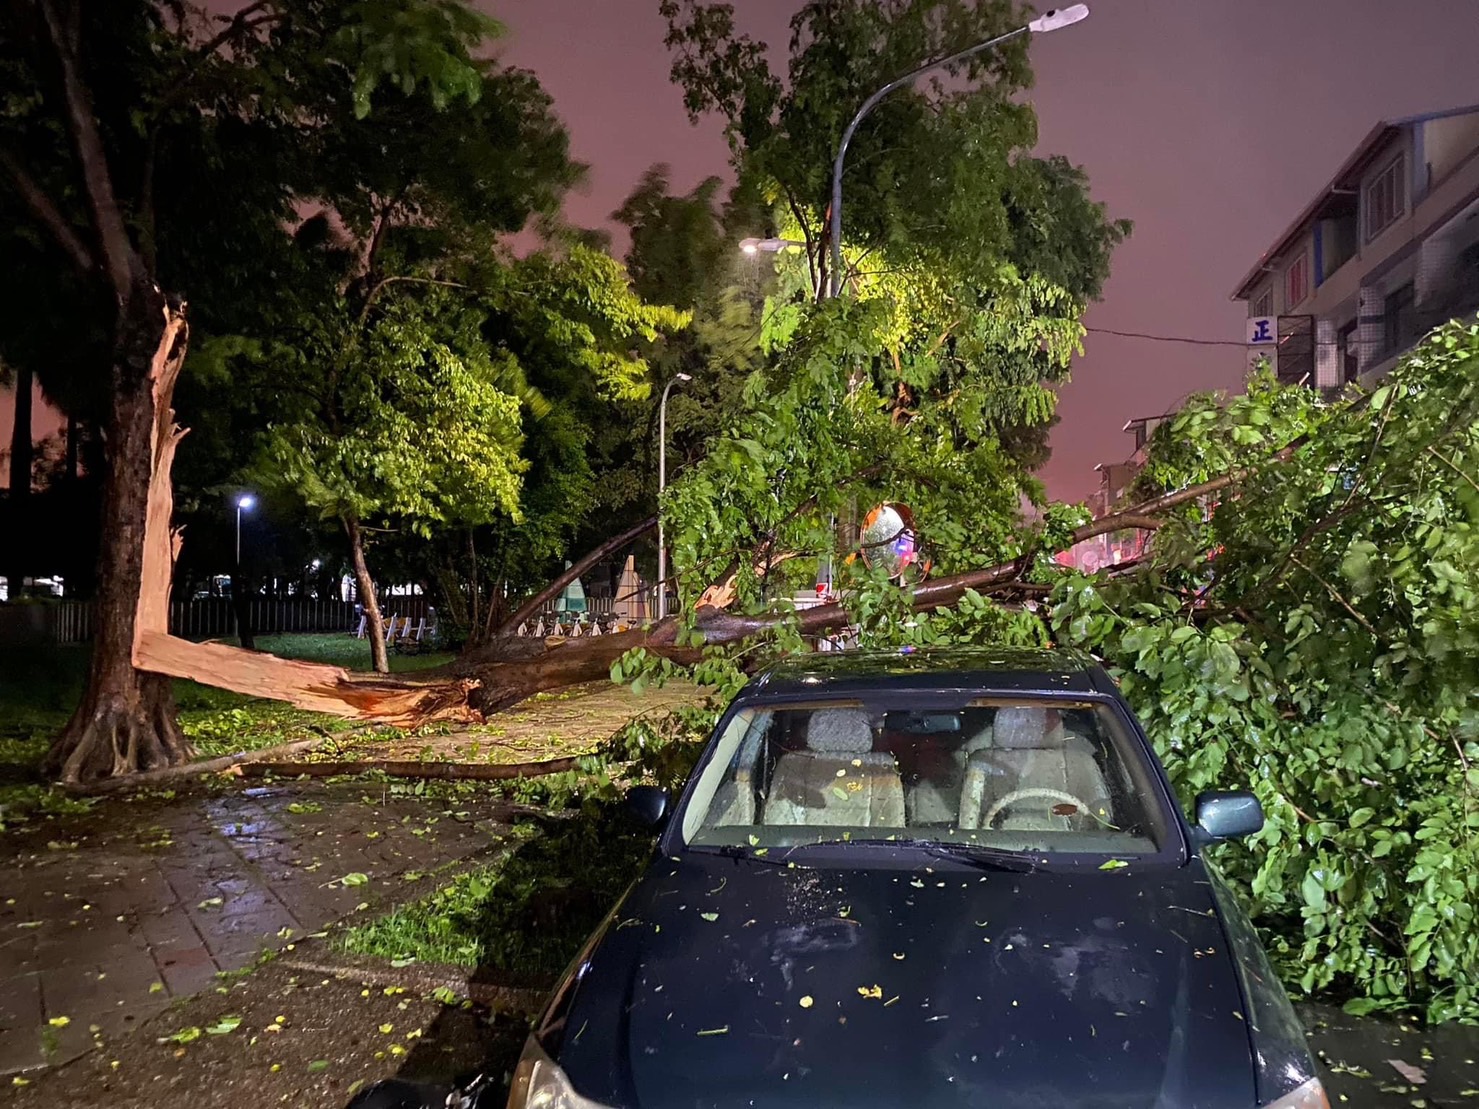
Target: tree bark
[
  {"x": 475, "y": 621},
  {"x": 126, "y": 720},
  {"x": 366, "y": 586},
  {"x": 21, "y": 454},
  {"x": 241, "y": 610}
]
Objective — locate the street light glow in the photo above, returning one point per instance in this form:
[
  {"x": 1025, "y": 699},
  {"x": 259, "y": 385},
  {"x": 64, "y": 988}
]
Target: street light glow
[
  {"x": 767, "y": 246},
  {"x": 246, "y": 501},
  {"x": 1059, "y": 17}
]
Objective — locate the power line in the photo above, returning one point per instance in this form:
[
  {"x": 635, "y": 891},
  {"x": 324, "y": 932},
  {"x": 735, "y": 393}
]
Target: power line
[
  {"x": 1166, "y": 338},
  {"x": 1198, "y": 342}
]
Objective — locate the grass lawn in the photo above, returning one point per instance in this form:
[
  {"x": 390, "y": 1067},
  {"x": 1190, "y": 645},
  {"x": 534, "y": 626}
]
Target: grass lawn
[{"x": 528, "y": 913}]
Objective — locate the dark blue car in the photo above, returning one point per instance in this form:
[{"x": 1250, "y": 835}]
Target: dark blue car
[{"x": 928, "y": 879}]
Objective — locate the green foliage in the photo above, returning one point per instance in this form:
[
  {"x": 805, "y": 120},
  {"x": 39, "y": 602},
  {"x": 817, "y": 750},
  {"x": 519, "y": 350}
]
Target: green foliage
[
  {"x": 811, "y": 446},
  {"x": 417, "y": 424},
  {"x": 528, "y": 913},
  {"x": 1313, "y": 637},
  {"x": 978, "y": 255},
  {"x": 428, "y": 43}
]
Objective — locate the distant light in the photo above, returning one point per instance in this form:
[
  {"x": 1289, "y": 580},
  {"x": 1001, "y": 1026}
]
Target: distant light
[
  {"x": 769, "y": 246},
  {"x": 246, "y": 502},
  {"x": 315, "y": 564},
  {"x": 1061, "y": 17}
]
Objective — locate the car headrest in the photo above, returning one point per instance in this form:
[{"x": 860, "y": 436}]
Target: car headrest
[
  {"x": 1023, "y": 727},
  {"x": 839, "y": 732}
]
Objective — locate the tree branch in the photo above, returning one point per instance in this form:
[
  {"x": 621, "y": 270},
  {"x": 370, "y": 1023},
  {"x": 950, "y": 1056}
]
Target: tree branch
[
  {"x": 118, "y": 255},
  {"x": 536, "y": 602},
  {"x": 379, "y": 286},
  {"x": 241, "y": 21},
  {"x": 47, "y": 213}
]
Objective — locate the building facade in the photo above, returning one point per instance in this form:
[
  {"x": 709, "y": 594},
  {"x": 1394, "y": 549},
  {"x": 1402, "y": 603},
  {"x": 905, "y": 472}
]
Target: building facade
[
  {"x": 1116, "y": 479},
  {"x": 1388, "y": 250}
]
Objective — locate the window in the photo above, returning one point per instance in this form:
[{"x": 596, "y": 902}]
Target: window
[
  {"x": 1386, "y": 198},
  {"x": 1017, "y": 774},
  {"x": 1296, "y": 281},
  {"x": 1263, "y": 305},
  {"x": 1399, "y": 320}
]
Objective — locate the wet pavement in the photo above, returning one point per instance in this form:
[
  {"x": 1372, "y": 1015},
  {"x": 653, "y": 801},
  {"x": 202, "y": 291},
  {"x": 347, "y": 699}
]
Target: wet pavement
[
  {"x": 107, "y": 919},
  {"x": 1384, "y": 1063}
]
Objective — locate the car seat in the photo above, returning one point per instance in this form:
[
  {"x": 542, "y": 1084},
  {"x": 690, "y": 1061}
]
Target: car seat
[
  {"x": 1030, "y": 774},
  {"x": 838, "y": 780}
]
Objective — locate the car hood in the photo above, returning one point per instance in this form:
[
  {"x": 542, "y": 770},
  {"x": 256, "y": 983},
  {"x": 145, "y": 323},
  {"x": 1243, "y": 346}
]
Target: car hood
[{"x": 739, "y": 982}]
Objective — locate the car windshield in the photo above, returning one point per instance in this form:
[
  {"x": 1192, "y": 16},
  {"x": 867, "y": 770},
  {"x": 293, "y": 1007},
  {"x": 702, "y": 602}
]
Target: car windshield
[{"x": 1013, "y": 774}]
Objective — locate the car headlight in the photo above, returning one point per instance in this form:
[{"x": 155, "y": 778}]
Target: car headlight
[
  {"x": 539, "y": 1084},
  {"x": 1309, "y": 1096}
]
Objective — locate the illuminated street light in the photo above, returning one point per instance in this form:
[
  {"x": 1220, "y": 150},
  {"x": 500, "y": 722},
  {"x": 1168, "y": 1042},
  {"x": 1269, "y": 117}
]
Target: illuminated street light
[
  {"x": 767, "y": 246},
  {"x": 245, "y": 502}
]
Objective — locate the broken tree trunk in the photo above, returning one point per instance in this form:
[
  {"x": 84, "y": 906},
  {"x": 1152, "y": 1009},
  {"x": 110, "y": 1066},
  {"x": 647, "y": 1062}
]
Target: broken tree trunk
[
  {"x": 485, "y": 681},
  {"x": 126, "y": 720}
]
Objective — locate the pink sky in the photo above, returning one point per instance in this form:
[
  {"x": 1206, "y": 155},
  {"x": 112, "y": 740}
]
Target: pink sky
[{"x": 1209, "y": 124}]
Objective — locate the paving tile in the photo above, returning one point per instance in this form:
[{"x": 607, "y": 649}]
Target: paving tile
[
  {"x": 187, "y": 970},
  {"x": 271, "y": 868}
]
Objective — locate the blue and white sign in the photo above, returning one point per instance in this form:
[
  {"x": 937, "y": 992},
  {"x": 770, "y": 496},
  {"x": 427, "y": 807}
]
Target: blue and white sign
[{"x": 1263, "y": 330}]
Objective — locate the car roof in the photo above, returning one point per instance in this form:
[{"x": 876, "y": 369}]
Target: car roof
[{"x": 1008, "y": 669}]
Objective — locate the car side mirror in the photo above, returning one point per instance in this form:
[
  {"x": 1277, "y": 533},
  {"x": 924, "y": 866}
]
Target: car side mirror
[
  {"x": 1222, "y": 815},
  {"x": 648, "y": 806}
]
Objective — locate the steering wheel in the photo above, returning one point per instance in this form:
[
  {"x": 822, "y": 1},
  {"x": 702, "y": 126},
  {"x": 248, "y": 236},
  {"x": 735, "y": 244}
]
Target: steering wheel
[{"x": 1026, "y": 794}]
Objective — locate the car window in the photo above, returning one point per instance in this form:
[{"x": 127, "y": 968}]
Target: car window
[{"x": 1014, "y": 774}]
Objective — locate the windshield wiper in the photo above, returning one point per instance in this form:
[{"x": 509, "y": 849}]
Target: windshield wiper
[
  {"x": 736, "y": 851},
  {"x": 982, "y": 858}
]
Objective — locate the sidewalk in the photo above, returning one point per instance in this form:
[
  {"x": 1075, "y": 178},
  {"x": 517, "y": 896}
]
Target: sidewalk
[{"x": 107, "y": 919}]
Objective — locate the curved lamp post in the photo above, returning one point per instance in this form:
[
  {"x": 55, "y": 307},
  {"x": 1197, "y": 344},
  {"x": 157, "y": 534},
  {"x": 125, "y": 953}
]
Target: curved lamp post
[
  {"x": 662, "y": 483},
  {"x": 1048, "y": 21},
  {"x": 244, "y": 503}
]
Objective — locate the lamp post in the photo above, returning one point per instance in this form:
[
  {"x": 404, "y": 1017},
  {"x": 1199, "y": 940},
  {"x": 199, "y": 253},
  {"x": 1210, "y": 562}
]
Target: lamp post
[
  {"x": 662, "y": 483},
  {"x": 768, "y": 246},
  {"x": 1048, "y": 21},
  {"x": 244, "y": 503}
]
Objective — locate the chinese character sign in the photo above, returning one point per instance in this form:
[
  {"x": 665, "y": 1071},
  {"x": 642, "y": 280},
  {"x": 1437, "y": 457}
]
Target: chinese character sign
[{"x": 1262, "y": 330}]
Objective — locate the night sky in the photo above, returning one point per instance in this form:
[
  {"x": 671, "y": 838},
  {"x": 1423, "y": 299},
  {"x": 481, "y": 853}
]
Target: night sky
[{"x": 1209, "y": 123}]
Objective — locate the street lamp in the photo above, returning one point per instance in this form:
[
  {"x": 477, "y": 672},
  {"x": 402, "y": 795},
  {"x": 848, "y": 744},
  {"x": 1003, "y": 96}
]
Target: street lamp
[
  {"x": 662, "y": 483},
  {"x": 244, "y": 503},
  {"x": 1048, "y": 21},
  {"x": 767, "y": 246}
]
